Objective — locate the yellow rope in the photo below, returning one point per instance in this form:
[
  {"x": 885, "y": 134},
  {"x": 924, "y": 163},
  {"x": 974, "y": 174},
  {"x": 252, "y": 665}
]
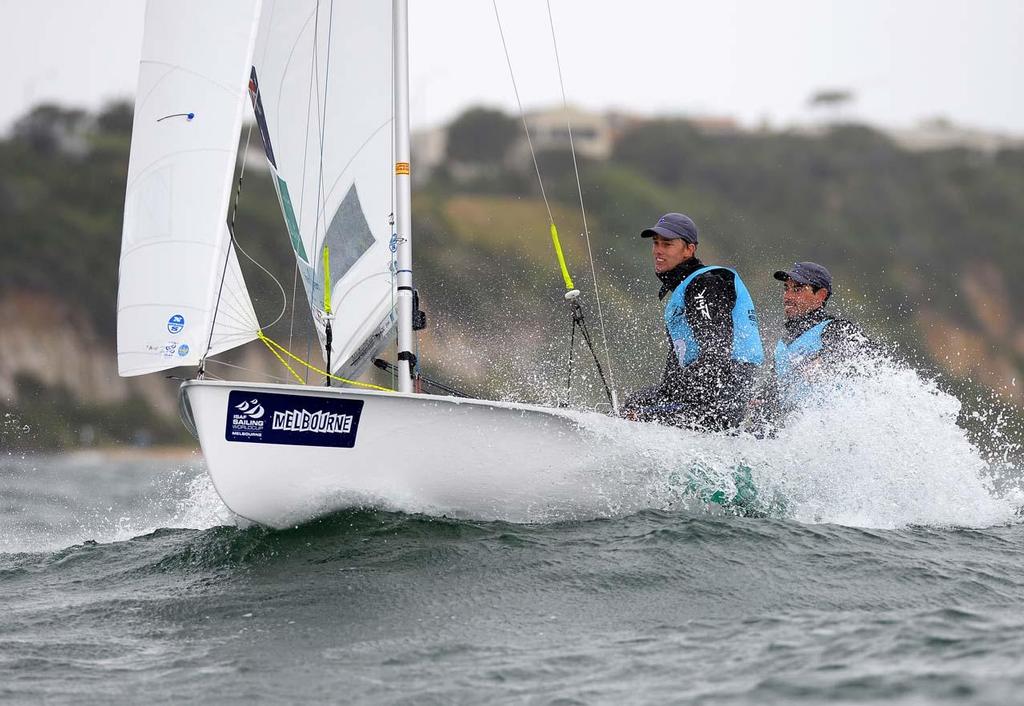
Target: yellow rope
[
  {"x": 561, "y": 258},
  {"x": 278, "y": 355},
  {"x": 274, "y": 347}
]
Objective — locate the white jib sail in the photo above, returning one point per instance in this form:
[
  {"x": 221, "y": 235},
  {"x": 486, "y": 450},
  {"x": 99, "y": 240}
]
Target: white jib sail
[
  {"x": 175, "y": 246},
  {"x": 321, "y": 86}
]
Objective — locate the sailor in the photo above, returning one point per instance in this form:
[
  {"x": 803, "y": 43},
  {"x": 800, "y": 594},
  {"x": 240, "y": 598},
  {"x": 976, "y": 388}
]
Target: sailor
[
  {"x": 813, "y": 346},
  {"x": 714, "y": 342}
]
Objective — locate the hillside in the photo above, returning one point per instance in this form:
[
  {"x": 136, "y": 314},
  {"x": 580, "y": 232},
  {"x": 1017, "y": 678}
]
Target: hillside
[{"x": 922, "y": 246}]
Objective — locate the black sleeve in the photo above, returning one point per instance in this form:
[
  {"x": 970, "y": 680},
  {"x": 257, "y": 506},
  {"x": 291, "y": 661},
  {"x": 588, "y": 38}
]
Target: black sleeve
[{"x": 710, "y": 300}]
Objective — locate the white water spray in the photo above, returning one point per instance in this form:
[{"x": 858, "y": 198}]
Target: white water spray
[{"x": 880, "y": 448}]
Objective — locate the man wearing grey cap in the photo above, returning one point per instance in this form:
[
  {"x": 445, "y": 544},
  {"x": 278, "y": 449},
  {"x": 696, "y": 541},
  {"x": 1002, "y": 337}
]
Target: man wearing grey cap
[
  {"x": 813, "y": 341},
  {"x": 714, "y": 342}
]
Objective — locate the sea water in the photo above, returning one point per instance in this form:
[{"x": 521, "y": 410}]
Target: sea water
[{"x": 893, "y": 573}]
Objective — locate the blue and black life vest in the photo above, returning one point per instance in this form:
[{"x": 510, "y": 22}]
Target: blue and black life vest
[
  {"x": 746, "y": 337},
  {"x": 802, "y": 348}
]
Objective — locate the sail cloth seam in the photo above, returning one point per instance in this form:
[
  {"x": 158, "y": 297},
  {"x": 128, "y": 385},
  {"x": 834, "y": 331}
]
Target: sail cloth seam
[
  {"x": 274, "y": 346},
  {"x": 144, "y": 171},
  {"x": 355, "y": 155},
  {"x": 579, "y": 189},
  {"x": 171, "y": 68}
]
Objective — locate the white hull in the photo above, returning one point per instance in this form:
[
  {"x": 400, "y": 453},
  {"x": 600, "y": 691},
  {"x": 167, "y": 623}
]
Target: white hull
[{"x": 421, "y": 453}]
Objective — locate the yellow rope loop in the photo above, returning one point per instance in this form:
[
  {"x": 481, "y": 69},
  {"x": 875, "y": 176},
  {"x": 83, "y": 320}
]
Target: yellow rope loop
[
  {"x": 561, "y": 258},
  {"x": 274, "y": 346}
]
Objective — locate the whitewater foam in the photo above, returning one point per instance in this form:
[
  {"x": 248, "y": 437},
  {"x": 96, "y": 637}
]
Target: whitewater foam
[{"x": 881, "y": 449}]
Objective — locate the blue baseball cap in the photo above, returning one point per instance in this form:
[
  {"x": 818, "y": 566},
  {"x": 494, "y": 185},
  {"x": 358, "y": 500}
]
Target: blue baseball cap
[
  {"x": 672, "y": 226},
  {"x": 807, "y": 273}
]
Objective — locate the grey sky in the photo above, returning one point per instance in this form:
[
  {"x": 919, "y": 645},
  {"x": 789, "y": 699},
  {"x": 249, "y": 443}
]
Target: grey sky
[{"x": 905, "y": 60}]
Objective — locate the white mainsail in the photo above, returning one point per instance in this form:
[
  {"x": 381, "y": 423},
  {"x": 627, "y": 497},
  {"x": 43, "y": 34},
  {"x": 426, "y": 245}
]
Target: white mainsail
[
  {"x": 321, "y": 86},
  {"x": 175, "y": 246}
]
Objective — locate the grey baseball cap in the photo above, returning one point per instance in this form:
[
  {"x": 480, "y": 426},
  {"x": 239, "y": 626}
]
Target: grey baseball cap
[
  {"x": 807, "y": 273},
  {"x": 672, "y": 226}
]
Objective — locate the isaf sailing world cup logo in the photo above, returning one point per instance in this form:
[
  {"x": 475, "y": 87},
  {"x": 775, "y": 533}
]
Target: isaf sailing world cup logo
[
  {"x": 252, "y": 409},
  {"x": 248, "y": 418}
]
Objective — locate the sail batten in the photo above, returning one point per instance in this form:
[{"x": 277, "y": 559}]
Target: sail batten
[{"x": 175, "y": 244}]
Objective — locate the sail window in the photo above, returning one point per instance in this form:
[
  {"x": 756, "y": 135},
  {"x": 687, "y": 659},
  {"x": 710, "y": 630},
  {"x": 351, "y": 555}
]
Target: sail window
[{"x": 348, "y": 236}]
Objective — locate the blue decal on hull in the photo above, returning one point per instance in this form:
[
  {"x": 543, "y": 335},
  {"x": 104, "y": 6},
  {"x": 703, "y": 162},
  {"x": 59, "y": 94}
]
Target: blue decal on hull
[{"x": 295, "y": 420}]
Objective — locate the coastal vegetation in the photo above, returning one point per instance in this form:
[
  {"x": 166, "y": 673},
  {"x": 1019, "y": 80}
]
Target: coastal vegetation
[{"x": 924, "y": 247}]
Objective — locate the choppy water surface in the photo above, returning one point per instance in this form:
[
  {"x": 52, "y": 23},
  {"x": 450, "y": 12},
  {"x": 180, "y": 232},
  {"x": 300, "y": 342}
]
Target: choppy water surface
[
  {"x": 373, "y": 606},
  {"x": 895, "y": 575}
]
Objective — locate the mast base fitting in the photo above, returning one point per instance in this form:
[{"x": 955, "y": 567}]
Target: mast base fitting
[
  {"x": 572, "y": 294},
  {"x": 409, "y": 356}
]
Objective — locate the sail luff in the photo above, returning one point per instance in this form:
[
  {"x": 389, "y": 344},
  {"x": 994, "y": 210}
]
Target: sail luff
[{"x": 221, "y": 338}]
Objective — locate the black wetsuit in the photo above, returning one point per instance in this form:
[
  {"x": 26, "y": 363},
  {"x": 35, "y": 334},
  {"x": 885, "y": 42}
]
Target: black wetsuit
[
  {"x": 712, "y": 392},
  {"x": 841, "y": 340}
]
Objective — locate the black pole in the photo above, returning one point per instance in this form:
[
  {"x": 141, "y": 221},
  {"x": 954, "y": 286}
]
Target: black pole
[{"x": 329, "y": 339}]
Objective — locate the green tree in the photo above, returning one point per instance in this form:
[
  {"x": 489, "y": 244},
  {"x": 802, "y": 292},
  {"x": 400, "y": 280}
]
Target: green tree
[{"x": 481, "y": 135}]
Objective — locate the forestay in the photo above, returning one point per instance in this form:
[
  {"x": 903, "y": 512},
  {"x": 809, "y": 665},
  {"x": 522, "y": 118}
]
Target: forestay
[
  {"x": 321, "y": 87},
  {"x": 175, "y": 247}
]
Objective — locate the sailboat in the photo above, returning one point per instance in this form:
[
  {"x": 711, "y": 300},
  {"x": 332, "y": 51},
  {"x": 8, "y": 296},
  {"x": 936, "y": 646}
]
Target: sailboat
[{"x": 328, "y": 86}]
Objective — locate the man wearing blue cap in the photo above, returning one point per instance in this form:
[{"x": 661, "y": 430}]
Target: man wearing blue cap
[
  {"x": 813, "y": 341},
  {"x": 714, "y": 342}
]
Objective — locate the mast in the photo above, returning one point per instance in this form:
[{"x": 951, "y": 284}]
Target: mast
[{"x": 403, "y": 196}]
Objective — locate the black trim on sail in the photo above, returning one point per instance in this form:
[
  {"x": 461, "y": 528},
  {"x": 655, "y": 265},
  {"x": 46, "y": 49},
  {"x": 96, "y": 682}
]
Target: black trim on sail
[{"x": 261, "y": 118}]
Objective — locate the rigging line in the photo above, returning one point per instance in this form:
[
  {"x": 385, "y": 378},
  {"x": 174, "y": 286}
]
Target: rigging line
[
  {"x": 597, "y": 363},
  {"x": 275, "y": 347},
  {"x": 522, "y": 113},
  {"x": 579, "y": 190},
  {"x": 305, "y": 145},
  {"x": 284, "y": 296},
  {"x": 275, "y": 378},
  {"x": 321, "y": 195},
  {"x": 322, "y": 198},
  {"x": 239, "y": 248},
  {"x": 291, "y": 324},
  {"x": 305, "y": 158},
  {"x": 309, "y": 347},
  {"x": 572, "y": 345},
  {"x": 320, "y": 142},
  {"x": 227, "y": 256},
  {"x": 213, "y": 321}
]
